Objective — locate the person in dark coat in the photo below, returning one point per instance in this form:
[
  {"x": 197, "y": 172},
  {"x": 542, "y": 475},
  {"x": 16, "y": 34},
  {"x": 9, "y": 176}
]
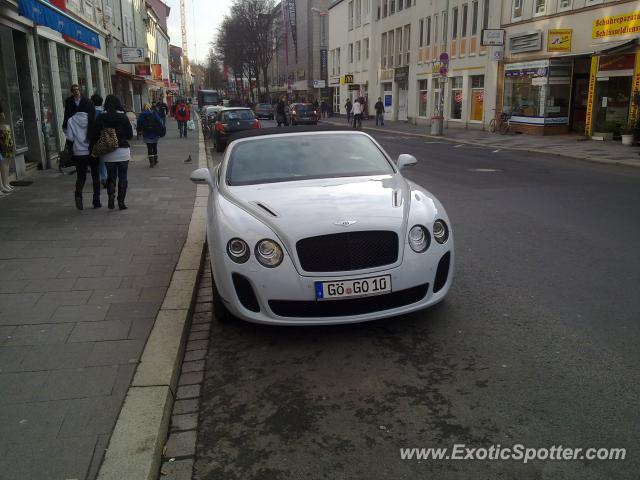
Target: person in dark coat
[
  {"x": 348, "y": 106},
  {"x": 117, "y": 161},
  {"x": 163, "y": 111},
  {"x": 379, "y": 106},
  {"x": 281, "y": 116},
  {"x": 77, "y": 103}
]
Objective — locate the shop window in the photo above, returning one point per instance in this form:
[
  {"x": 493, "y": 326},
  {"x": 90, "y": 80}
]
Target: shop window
[
  {"x": 64, "y": 67},
  {"x": 423, "y": 95},
  {"x": 456, "y": 98},
  {"x": 336, "y": 100},
  {"x": 522, "y": 95},
  {"x": 47, "y": 99},
  {"x": 477, "y": 97},
  {"x": 81, "y": 71},
  {"x": 94, "y": 76}
]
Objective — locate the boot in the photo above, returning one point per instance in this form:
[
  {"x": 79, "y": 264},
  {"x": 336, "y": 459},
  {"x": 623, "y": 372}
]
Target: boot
[
  {"x": 122, "y": 192},
  {"x": 155, "y": 159},
  {"x": 96, "y": 201},
  {"x": 111, "y": 194},
  {"x": 79, "y": 201},
  {"x": 151, "y": 164}
]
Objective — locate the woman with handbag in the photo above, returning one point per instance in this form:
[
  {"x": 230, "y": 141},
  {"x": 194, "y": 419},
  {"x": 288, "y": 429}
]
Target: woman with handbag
[
  {"x": 151, "y": 126},
  {"x": 110, "y": 137}
]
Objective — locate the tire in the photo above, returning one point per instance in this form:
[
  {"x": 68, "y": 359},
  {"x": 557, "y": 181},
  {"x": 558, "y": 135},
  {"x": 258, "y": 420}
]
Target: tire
[
  {"x": 492, "y": 125},
  {"x": 220, "y": 312},
  {"x": 504, "y": 128}
]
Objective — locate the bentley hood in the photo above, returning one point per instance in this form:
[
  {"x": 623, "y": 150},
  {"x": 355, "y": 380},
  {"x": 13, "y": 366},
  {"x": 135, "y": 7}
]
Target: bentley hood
[{"x": 306, "y": 208}]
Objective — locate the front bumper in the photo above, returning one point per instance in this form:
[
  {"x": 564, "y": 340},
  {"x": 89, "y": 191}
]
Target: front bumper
[{"x": 282, "y": 296}]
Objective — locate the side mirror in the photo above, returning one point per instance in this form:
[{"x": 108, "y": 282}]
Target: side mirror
[
  {"x": 202, "y": 176},
  {"x": 406, "y": 160}
]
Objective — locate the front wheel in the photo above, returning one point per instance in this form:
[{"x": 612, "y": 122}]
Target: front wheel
[
  {"x": 492, "y": 125},
  {"x": 504, "y": 128},
  {"x": 220, "y": 312}
]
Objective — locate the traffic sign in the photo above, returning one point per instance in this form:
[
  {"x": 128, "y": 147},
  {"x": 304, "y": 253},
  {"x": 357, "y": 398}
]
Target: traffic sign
[{"x": 319, "y": 84}]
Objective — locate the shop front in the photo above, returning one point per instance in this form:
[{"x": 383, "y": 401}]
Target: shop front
[{"x": 537, "y": 95}]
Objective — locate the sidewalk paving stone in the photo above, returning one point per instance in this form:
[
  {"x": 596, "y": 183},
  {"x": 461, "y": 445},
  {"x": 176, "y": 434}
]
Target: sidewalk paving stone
[{"x": 79, "y": 293}]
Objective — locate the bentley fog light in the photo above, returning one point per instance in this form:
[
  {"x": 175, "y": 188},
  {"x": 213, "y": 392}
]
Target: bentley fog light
[
  {"x": 440, "y": 231},
  {"x": 269, "y": 253},
  {"x": 238, "y": 250},
  {"x": 419, "y": 238}
]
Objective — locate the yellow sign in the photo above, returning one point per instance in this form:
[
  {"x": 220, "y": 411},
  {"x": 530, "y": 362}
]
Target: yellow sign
[
  {"x": 588, "y": 128},
  {"x": 559, "y": 40},
  {"x": 346, "y": 79},
  {"x": 625, "y": 24},
  {"x": 633, "y": 111}
]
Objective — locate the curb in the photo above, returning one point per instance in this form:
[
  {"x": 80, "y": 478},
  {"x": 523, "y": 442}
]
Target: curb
[
  {"x": 503, "y": 147},
  {"x": 138, "y": 438}
]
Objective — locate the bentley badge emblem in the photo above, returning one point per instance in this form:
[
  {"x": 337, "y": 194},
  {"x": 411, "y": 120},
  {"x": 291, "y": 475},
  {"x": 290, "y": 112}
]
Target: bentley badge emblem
[{"x": 345, "y": 223}]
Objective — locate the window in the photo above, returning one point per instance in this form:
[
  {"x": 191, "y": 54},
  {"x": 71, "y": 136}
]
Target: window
[
  {"x": 94, "y": 76},
  {"x": 407, "y": 44},
  {"x": 444, "y": 26},
  {"x": 350, "y": 10},
  {"x": 390, "y": 49},
  {"x": 392, "y": 7},
  {"x": 474, "y": 20},
  {"x": 517, "y": 9},
  {"x": 81, "y": 72},
  {"x": 465, "y": 15},
  {"x": 539, "y": 7},
  {"x": 64, "y": 67},
  {"x": 454, "y": 28},
  {"x": 400, "y": 5},
  {"x": 384, "y": 8},
  {"x": 456, "y": 98},
  {"x": 366, "y": 8},
  {"x": 485, "y": 14},
  {"x": 421, "y": 33},
  {"x": 477, "y": 97},
  {"x": 337, "y": 61},
  {"x": 422, "y": 98},
  {"x": 565, "y": 5},
  {"x": 435, "y": 32},
  {"x": 398, "y": 60},
  {"x": 358, "y": 12},
  {"x": 593, "y": 2},
  {"x": 383, "y": 51},
  {"x": 428, "y": 34},
  {"x": 358, "y": 51},
  {"x": 351, "y": 53},
  {"x": 366, "y": 49}
]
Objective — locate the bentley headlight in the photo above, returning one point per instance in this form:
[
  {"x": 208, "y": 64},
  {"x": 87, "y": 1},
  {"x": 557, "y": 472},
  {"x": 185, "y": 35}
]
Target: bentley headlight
[
  {"x": 419, "y": 238},
  {"x": 269, "y": 253},
  {"x": 238, "y": 250},
  {"x": 440, "y": 231}
]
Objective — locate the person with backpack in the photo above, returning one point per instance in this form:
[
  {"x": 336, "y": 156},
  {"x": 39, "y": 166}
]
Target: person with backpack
[
  {"x": 163, "y": 110},
  {"x": 151, "y": 126},
  {"x": 182, "y": 116},
  {"x": 348, "y": 106},
  {"x": 110, "y": 142}
]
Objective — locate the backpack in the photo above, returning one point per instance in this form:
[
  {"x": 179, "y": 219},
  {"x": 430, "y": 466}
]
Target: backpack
[
  {"x": 152, "y": 126},
  {"x": 182, "y": 110}
]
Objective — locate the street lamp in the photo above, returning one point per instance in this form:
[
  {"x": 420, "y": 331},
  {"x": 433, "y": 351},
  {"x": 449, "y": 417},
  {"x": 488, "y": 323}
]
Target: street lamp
[{"x": 323, "y": 42}]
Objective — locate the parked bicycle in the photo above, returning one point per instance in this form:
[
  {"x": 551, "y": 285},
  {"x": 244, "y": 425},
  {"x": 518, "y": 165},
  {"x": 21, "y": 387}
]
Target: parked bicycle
[
  {"x": 206, "y": 129},
  {"x": 500, "y": 123}
]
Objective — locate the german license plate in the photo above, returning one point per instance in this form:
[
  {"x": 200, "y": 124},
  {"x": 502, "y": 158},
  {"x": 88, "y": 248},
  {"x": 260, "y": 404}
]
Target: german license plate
[{"x": 360, "y": 287}]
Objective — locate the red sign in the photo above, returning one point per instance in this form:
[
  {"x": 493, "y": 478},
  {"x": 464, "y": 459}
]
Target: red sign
[
  {"x": 617, "y": 62},
  {"x": 156, "y": 71}
]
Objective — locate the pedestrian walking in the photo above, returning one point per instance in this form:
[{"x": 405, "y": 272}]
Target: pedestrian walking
[
  {"x": 348, "y": 106},
  {"x": 323, "y": 108},
  {"x": 97, "y": 103},
  {"x": 79, "y": 115},
  {"x": 182, "y": 116},
  {"x": 163, "y": 110},
  {"x": 379, "y": 106},
  {"x": 357, "y": 113},
  {"x": 151, "y": 127},
  {"x": 281, "y": 117},
  {"x": 117, "y": 160}
]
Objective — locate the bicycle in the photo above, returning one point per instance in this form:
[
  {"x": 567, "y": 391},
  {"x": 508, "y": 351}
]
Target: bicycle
[
  {"x": 501, "y": 123},
  {"x": 206, "y": 129}
]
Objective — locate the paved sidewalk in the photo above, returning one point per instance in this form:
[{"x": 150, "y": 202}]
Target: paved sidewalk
[
  {"x": 573, "y": 146},
  {"x": 79, "y": 292}
]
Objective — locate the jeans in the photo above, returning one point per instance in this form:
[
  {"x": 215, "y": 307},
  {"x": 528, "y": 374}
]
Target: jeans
[
  {"x": 82, "y": 163},
  {"x": 152, "y": 149},
  {"x": 116, "y": 170},
  {"x": 357, "y": 120},
  {"x": 103, "y": 171},
  {"x": 348, "y": 117},
  {"x": 380, "y": 117},
  {"x": 182, "y": 128}
]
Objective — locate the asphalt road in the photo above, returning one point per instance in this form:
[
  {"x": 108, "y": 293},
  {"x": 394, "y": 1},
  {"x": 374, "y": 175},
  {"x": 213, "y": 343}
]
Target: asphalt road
[{"x": 536, "y": 344}]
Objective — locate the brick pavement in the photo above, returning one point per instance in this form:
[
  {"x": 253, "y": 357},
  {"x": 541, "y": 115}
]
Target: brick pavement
[{"x": 79, "y": 292}]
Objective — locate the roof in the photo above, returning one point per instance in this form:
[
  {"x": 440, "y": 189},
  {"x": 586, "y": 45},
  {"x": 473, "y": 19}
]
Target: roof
[{"x": 260, "y": 132}]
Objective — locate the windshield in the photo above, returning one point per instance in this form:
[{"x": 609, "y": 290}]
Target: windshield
[
  {"x": 264, "y": 105},
  {"x": 237, "y": 115},
  {"x": 301, "y": 157},
  {"x": 303, "y": 107},
  {"x": 209, "y": 97}
]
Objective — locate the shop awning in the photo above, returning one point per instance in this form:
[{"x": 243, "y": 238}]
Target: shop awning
[
  {"x": 617, "y": 47},
  {"x": 46, "y": 14}
]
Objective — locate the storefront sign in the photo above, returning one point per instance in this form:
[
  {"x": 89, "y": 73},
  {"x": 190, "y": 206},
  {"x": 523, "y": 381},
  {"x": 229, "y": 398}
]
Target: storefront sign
[
  {"x": 324, "y": 63},
  {"x": 492, "y": 37},
  {"x": 401, "y": 74},
  {"x": 334, "y": 81},
  {"x": 387, "y": 100},
  {"x": 592, "y": 90},
  {"x": 559, "y": 40},
  {"x": 133, "y": 55},
  {"x": 354, "y": 88},
  {"x": 346, "y": 79},
  {"x": 625, "y": 24},
  {"x": 633, "y": 111},
  {"x": 617, "y": 62},
  {"x": 143, "y": 70},
  {"x": 538, "y": 81},
  {"x": 156, "y": 72},
  {"x": 521, "y": 69},
  {"x": 319, "y": 84}
]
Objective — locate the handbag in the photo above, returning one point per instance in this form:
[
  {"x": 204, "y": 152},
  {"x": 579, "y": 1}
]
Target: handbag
[
  {"x": 65, "y": 158},
  {"x": 107, "y": 142},
  {"x": 191, "y": 125}
]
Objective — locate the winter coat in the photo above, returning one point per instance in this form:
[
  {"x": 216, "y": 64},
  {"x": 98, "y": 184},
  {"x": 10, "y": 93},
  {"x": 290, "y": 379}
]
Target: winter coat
[
  {"x": 77, "y": 133},
  {"x": 151, "y": 126},
  {"x": 182, "y": 117}
]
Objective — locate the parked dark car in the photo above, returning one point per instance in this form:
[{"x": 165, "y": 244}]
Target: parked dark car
[
  {"x": 303, "y": 113},
  {"x": 231, "y": 120},
  {"x": 265, "y": 110}
]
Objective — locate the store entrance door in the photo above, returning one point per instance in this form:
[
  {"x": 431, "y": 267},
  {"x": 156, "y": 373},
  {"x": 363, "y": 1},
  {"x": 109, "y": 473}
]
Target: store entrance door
[
  {"x": 580, "y": 94},
  {"x": 613, "y": 99}
]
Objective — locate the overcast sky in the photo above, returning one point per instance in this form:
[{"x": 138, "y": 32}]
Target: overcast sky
[{"x": 203, "y": 19}]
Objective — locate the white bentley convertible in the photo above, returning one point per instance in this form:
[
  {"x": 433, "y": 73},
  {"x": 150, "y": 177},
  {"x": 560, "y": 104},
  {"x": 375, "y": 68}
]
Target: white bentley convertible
[{"x": 320, "y": 227}]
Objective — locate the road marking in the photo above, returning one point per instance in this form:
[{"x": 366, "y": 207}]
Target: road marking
[
  {"x": 484, "y": 170},
  {"x": 457, "y": 146},
  {"x": 496, "y": 151}
]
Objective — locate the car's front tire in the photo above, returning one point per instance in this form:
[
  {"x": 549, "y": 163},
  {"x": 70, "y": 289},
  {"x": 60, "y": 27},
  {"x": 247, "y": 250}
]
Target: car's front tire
[{"x": 220, "y": 312}]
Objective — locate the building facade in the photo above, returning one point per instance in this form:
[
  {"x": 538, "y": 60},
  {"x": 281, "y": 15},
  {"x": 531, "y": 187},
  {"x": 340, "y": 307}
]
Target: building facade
[{"x": 570, "y": 65}]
